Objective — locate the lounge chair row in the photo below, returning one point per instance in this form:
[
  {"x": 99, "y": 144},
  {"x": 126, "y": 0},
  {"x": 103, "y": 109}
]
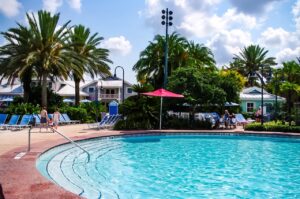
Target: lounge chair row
[
  {"x": 27, "y": 118},
  {"x": 13, "y": 121},
  {"x": 108, "y": 121}
]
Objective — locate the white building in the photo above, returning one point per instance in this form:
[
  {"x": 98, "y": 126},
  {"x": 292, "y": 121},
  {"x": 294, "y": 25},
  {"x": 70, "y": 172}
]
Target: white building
[{"x": 108, "y": 89}]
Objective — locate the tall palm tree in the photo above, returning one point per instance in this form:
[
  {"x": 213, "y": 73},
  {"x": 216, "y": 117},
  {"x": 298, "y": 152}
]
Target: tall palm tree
[
  {"x": 200, "y": 56},
  {"x": 50, "y": 52},
  {"x": 94, "y": 59},
  {"x": 14, "y": 60},
  {"x": 181, "y": 54},
  {"x": 250, "y": 59}
]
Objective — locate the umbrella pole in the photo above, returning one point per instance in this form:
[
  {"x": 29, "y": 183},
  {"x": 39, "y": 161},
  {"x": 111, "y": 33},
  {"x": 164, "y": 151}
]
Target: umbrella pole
[{"x": 161, "y": 101}]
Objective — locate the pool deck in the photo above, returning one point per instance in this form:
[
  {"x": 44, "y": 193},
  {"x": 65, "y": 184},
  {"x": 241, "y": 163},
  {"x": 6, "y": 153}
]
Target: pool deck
[{"x": 20, "y": 178}]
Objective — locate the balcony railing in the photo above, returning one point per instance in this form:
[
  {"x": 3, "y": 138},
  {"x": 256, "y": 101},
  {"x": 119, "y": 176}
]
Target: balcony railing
[
  {"x": 109, "y": 96},
  {"x": 105, "y": 96}
]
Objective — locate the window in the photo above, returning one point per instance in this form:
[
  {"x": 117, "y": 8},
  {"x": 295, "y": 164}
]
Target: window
[
  {"x": 91, "y": 89},
  {"x": 250, "y": 107},
  {"x": 129, "y": 90}
]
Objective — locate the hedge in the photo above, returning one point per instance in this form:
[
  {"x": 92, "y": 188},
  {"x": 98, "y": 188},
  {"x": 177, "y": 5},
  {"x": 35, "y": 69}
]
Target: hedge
[{"x": 273, "y": 127}]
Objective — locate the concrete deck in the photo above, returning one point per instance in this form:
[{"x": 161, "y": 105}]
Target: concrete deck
[{"x": 20, "y": 178}]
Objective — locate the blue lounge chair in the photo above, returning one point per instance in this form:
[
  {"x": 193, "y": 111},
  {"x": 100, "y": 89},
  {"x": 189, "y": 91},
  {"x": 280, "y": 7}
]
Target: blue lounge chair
[
  {"x": 100, "y": 124},
  {"x": 23, "y": 123},
  {"x": 113, "y": 121},
  {"x": 3, "y": 118},
  {"x": 62, "y": 120},
  {"x": 37, "y": 119},
  {"x": 12, "y": 121},
  {"x": 67, "y": 118},
  {"x": 241, "y": 120}
]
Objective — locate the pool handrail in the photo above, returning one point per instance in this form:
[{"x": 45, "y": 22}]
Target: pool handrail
[{"x": 69, "y": 139}]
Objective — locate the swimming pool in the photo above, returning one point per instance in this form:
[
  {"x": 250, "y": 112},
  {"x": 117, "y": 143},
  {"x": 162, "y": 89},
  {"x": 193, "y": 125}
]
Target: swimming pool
[{"x": 177, "y": 166}]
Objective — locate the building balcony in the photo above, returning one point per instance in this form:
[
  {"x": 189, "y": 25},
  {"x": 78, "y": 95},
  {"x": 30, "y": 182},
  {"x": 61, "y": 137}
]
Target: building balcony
[
  {"x": 105, "y": 96},
  {"x": 109, "y": 96}
]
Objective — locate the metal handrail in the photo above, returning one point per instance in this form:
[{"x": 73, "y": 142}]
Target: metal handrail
[{"x": 67, "y": 138}]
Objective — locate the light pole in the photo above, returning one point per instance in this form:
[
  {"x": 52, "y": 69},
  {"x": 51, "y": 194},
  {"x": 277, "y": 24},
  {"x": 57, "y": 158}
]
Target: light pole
[
  {"x": 115, "y": 75},
  {"x": 167, "y": 18}
]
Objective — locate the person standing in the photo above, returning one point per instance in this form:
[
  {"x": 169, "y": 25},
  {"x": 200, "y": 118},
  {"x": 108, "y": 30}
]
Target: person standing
[
  {"x": 56, "y": 115},
  {"x": 226, "y": 118},
  {"x": 44, "y": 118},
  {"x": 258, "y": 115}
]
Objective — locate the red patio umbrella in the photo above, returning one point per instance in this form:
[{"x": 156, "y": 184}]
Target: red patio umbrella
[{"x": 162, "y": 93}]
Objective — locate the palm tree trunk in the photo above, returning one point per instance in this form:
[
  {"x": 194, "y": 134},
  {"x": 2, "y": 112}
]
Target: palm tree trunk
[
  {"x": 26, "y": 85},
  {"x": 44, "y": 89},
  {"x": 27, "y": 91},
  {"x": 77, "y": 90}
]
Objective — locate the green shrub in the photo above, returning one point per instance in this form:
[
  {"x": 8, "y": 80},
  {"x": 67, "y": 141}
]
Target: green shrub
[
  {"x": 134, "y": 124},
  {"x": 23, "y": 108},
  {"x": 140, "y": 112},
  {"x": 76, "y": 113},
  {"x": 273, "y": 127}
]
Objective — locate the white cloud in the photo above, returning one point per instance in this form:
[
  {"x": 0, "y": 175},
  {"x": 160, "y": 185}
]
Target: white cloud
[
  {"x": 296, "y": 13},
  {"x": 253, "y": 6},
  {"x": 10, "y": 8},
  {"x": 227, "y": 43},
  {"x": 117, "y": 45},
  {"x": 279, "y": 38},
  {"x": 197, "y": 18},
  {"x": 287, "y": 54},
  {"x": 75, "y": 4},
  {"x": 52, "y": 5},
  {"x": 206, "y": 25}
]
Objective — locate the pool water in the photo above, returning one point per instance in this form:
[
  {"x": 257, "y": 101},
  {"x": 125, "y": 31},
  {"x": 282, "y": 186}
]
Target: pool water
[{"x": 177, "y": 166}]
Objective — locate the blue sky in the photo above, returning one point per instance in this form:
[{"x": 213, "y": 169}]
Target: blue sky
[{"x": 225, "y": 26}]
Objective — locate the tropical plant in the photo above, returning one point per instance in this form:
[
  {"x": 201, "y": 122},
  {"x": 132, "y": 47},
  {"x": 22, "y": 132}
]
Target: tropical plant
[
  {"x": 50, "y": 52},
  {"x": 232, "y": 83},
  {"x": 140, "y": 112},
  {"x": 290, "y": 87},
  {"x": 181, "y": 53},
  {"x": 200, "y": 56},
  {"x": 199, "y": 87},
  {"x": 150, "y": 66},
  {"x": 94, "y": 59},
  {"x": 251, "y": 59},
  {"x": 14, "y": 60}
]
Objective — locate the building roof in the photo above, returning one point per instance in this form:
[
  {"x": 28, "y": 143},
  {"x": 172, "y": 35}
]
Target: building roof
[
  {"x": 254, "y": 93},
  {"x": 15, "y": 89},
  {"x": 107, "y": 83},
  {"x": 69, "y": 90}
]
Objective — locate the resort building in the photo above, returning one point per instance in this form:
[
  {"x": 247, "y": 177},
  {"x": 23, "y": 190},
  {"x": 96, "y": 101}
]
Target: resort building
[
  {"x": 107, "y": 89},
  {"x": 251, "y": 100}
]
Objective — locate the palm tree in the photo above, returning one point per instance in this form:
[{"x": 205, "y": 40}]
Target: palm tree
[
  {"x": 200, "y": 56},
  {"x": 94, "y": 59},
  {"x": 181, "y": 54},
  {"x": 150, "y": 66},
  {"x": 14, "y": 60},
  {"x": 291, "y": 85},
  {"x": 50, "y": 53},
  {"x": 250, "y": 59}
]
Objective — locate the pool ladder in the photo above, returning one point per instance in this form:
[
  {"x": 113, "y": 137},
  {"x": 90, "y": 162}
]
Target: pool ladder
[{"x": 67, "y": 138}]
